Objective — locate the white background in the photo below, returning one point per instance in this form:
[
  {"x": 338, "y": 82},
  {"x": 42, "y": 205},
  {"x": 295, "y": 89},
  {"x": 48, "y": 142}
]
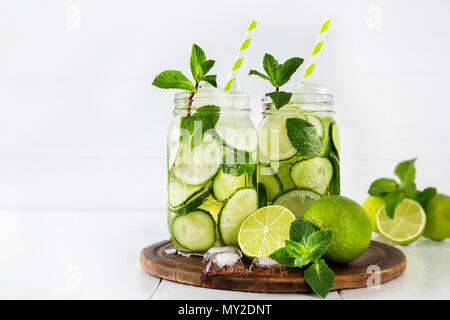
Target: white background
[
  {"x": 82, "y": 127},
  {"x": 82, "y": 131}
]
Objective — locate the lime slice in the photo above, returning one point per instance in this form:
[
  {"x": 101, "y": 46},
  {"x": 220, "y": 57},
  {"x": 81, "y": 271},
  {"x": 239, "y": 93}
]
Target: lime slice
[
  {"x": 408, "y": 223},
  {"x": 297, "y": 201},
  {"x": 273, "y": 141},
  {"x": 237, "y": 132},
  {"x": 265, "y": 231},
  {"x": 317, "y": 123},
  {"x": 236, "y": 209}
]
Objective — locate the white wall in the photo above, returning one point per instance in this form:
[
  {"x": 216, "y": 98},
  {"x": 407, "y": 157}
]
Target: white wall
[{"x": 81, "y": 126}]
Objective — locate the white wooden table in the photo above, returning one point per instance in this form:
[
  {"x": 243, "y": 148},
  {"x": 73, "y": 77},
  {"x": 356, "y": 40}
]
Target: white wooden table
[{"x": 95, "y": 255}]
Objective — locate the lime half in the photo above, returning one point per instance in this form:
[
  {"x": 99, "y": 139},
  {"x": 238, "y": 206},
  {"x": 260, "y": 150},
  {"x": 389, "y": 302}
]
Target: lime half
[
  {"x": 297, "y": 201},
  {"x": 265, "y": 231},
  {"x": 408, "y": 223}
]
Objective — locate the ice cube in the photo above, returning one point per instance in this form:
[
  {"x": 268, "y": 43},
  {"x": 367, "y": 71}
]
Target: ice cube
[
  {"x": 223, "y": 249},
  {"x": 224, "y": 263},
  {"x": 267, "y": 267}
]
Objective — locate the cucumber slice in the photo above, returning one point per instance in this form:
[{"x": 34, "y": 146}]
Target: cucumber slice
[
  {"x": 271, "y": 182},
  {"x": 179, "y": 192},
  {"x": 335, "y": 184},
  {"x": 195, "y": 231},
  {"x": 242, "y": 203},
  {"x": 193, "y": 201},
  {"x": 326, "y": 144},
  {"x": 170, "y": 216},
  {"x": 314, "y": 174},
  {"x": 335, "y": 137},
  {"x": 196, "y": 165},
  {"x": 317, "y": 123},
  {"x": 297, "y": 201},
  {"x": 285, "y": 177},
  {"x": 225, "y": 184},
  {"x": 236, "y": 132},
  {"x": 273, "y": 141},
  {"x": 262, "y": 195}
]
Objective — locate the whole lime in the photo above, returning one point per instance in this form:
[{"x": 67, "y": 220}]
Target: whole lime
[
  {"x": 371, "y": 205},
  {"x": 350, "y": 226},
  {"x": 438, "y": 218}
]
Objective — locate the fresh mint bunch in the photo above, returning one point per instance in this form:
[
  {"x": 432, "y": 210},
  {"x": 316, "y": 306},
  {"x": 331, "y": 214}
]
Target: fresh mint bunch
[
  {"x": 306, "y": 246},
  {"x": 172, "y": 79},
  {"x": 394, "y": 192},
  {"x": 278, "y": 74}
]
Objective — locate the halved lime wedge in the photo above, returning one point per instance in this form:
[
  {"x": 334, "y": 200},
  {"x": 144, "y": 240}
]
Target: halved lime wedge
[
  {"x": 297, "y": 201},
  {"x": 265, "y": 231},
  {"x": 408, "y": 223},
  {"x": 236, "y": 209}
]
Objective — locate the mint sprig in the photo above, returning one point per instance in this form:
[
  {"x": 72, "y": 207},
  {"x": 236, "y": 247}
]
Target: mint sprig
[
  {"x": 173, "y": 79},
  {"x": 306, "y": 246},
  {"x": 278, "y": 74},
  {"x": 394, "y": 192}
]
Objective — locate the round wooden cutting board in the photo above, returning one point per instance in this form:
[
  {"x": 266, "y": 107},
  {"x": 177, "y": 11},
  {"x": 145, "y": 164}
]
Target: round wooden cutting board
[{"x": 380, "y": 262}]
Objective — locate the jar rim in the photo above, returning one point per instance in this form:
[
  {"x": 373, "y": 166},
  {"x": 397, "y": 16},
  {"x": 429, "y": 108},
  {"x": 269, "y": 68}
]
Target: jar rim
[{"x": 208, "y": 94}]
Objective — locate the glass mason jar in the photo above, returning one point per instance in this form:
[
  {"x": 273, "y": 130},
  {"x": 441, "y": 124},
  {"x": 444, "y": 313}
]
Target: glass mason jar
[
  {"x": 298, "y": 150},
  {"x": 211, "y": 145}
]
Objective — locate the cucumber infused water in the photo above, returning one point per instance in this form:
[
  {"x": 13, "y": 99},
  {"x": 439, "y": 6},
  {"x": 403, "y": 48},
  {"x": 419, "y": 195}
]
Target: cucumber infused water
[
  {"x": 211, "y": 169},
  {"x": 298, "y": 149}
]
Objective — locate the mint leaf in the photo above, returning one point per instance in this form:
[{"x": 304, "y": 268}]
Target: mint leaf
[
  {"x": 382, "y": 186},
  {"x": 282, "y": 256},
  {"x": 302, "y": 261},
  {"x": 391, "y": 201},
  {"x": 270, "y": 65},
  {"x": 318, "y": 243},
  {"x": 409, "y": 188},
  {"x": 172, "y": 79},
  {"x": 197, "y": 58},
  {"x": 300, "y": 230},
  {"x": 207, "y": 65},
  {"x": 303, "y": 136},
  {"x": 320, "y": 277},
  {"x": 279, "y": 98},
  {"x": 406, "y": 171},
  {"x": 287, "y": 69},
  {"x": 295, "y": 249},
  {"x": 203, "y": 119},
  {"x": 211, "y": 79},
  {"x": 426, "y": 195},
  {"x": 261, "y": 75},
  {"x": 238, "y": 162}
]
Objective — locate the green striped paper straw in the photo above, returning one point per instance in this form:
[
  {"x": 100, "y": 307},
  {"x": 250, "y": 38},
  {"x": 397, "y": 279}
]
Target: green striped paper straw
[
  {"x": 240, "y": 56},
  {"x": 317, "y": 48}
]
